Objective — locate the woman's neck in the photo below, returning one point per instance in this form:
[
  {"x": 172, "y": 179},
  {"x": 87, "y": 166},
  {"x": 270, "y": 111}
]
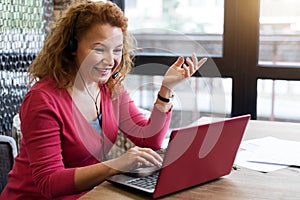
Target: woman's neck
[{"x": 87, "y": 97}]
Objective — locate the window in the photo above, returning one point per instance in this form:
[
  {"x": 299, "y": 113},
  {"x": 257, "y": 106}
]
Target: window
[
  {"x": 253, "y": 44},
  {"x": 168, "y": 28},
  {"x": 173, "y": 27},
  {"x": 279, "y": 33},
  {"x": 278, "y": 100},
  {"x": 279, "y": 50}
]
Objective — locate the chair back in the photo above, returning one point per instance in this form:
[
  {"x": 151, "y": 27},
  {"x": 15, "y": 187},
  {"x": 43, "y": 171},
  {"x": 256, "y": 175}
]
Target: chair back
[{"x": 8, "y": 151}]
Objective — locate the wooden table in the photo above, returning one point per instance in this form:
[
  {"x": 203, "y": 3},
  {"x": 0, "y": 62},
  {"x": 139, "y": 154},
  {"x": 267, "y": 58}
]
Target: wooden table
[{"x": 240, "y": 184}]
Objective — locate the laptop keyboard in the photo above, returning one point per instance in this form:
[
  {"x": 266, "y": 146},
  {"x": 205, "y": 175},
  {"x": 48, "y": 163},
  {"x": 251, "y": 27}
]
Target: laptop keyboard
[{"x": 147, "y": 182}]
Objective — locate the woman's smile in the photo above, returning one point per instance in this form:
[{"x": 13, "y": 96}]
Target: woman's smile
[{"x": 103, "y": 71}]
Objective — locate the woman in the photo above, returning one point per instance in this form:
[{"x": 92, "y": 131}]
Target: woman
[{"x": 71, "y": 115}]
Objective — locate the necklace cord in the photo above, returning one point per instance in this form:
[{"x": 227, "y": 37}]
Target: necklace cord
[
  {"x": 98, "y": 113},
  {"x": 94, "y": 100}
]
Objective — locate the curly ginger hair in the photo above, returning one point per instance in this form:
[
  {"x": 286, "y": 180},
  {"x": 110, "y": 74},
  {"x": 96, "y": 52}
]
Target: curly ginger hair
[{"x": 55, "y": 58}]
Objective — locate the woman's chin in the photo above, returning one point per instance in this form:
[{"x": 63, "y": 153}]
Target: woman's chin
[{"x": 103, "y": 80}]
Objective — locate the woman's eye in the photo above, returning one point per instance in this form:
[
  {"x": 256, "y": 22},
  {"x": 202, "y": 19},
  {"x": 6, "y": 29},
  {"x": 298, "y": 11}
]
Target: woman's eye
[
  {"x": 99, "y": 50},
  {"x": 118, "y": 51}
]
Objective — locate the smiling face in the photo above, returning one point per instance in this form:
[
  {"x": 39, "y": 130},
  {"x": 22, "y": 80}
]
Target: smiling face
[{"x": 99, "y": 52}]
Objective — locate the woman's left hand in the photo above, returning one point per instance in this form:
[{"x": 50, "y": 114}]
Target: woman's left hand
[{"x": 179, "y": 71}]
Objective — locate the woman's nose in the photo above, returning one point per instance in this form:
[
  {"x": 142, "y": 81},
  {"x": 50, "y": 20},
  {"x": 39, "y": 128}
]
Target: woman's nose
[{"x": 109, "y": 58}]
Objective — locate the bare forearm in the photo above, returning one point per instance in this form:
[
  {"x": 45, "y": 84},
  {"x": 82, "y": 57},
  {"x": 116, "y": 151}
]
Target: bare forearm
[{"x": 91, "y": 176}]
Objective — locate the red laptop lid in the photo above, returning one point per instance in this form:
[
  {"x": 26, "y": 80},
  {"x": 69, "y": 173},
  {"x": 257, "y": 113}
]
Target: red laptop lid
[{"x": 200, "y": 154}]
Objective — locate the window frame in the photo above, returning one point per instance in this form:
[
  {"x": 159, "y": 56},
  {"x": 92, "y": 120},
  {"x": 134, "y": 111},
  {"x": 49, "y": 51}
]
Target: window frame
[{"x": 240, "y": 56}]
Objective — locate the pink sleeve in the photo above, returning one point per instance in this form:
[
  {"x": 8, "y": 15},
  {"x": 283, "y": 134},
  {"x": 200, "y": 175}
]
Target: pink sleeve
[
  {"x": 43, "y": 146},
  {"x": 143, "y": 132}
]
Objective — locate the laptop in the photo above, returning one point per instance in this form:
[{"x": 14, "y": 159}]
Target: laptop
[{"x": 194, "y": 155}]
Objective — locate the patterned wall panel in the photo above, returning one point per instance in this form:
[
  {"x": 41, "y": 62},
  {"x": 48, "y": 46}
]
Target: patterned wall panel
[{"x": 23, "y": 28}]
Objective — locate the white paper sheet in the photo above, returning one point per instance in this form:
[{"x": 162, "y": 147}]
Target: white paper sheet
[
  {"x": 250, "y": 151},
  {"x": 242, "y": 160},
  {"x": 277, "y": 151}
]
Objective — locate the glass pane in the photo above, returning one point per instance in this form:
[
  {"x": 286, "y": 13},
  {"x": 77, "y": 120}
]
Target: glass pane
[
  {"x": 194, "y": 98},
  {"x": 278, "y": 100},
  {"x": 279, "y": 33},
  {"x": 177, "y": 27}
]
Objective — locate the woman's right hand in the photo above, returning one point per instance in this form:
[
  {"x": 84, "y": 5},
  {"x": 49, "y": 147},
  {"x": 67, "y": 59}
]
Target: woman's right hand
[
  {"x": 134, "y": 158},
  {"x": 180, "y": 71}
]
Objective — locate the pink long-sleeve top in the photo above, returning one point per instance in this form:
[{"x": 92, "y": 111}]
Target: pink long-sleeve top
[{"x": 57, "y": 139}]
